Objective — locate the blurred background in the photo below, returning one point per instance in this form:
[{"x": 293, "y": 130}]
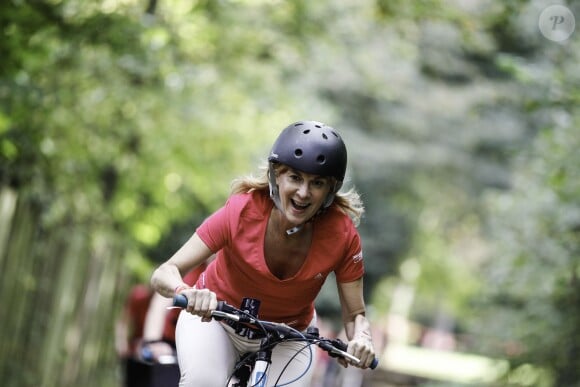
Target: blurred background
[{"x": 123, "y": 122}]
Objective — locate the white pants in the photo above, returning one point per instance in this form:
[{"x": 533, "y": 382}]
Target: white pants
[{"x": 208, "y": 351}]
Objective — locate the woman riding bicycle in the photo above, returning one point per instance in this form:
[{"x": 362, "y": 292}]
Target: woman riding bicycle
[{"x": 276, "y": 239}]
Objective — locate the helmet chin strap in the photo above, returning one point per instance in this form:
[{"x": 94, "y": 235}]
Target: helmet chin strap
[
  {"x": 275, "y": 196},
  {"x": 330, "y": 197}
]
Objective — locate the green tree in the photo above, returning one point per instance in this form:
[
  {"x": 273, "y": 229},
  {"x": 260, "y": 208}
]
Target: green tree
[
  {"x": 532, "y": 304},
  {"x": 529, "y": 310}
]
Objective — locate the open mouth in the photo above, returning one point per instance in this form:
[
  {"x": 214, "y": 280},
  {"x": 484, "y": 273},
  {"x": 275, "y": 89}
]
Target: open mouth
[{"x": 299, "y": 206}]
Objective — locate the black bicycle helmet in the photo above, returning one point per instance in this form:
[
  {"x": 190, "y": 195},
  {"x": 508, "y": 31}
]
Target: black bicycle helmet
[{"x": 311, "y": 147}]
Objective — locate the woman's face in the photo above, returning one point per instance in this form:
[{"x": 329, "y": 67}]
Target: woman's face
[{"x": 301, "y": 194}]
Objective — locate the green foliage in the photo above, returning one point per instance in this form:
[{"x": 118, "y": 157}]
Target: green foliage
[
  {"x": 393, "y": 10},
  {"x": 141, "y": 134},
  {"x": 524, "y": 304},
  {"x": 532, "y": 281},
  {"x": 530, "y": 311}
]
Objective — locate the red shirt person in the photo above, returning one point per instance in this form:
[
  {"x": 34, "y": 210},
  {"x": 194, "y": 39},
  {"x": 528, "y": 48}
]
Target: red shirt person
[
  {"x": 240, "y": 270},
  {"x": 276, "y": 239}
]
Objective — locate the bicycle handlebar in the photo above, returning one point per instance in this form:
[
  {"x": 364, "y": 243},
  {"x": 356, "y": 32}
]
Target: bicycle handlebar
[{"x": 225, "y": 311}]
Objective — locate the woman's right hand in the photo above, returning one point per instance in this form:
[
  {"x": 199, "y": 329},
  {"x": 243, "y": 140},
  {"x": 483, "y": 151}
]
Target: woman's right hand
[{"x": 200, "y": 302}]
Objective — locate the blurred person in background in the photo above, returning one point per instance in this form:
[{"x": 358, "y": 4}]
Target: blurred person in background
[{"x": 145, "y": 337}]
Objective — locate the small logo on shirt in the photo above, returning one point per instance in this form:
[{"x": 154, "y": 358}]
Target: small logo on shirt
[
  {"x": 358, "y": 257},
  {"x": 318, "y": 276}
]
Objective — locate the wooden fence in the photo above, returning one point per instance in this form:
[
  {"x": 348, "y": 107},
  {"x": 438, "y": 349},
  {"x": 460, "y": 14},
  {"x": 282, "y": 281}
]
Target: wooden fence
[{"x": 61, "y": 289}]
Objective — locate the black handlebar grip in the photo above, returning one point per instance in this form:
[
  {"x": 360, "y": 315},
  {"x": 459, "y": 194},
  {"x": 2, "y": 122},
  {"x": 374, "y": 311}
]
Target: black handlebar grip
[{"x": 180, "y": 300}]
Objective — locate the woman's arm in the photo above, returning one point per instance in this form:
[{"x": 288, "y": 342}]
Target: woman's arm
[
  {"x": 356, "y": 325},
  {"x": 167, "y": 279},
  {"x": 169, "y": 276}
]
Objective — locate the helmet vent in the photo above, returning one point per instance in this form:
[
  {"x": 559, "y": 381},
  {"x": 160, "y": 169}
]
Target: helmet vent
[
  {"x": 321, "y": 159},
  {"x": 298, "y": 153},
  {"x": 306, "y": 131},
  {"x": 335, "y": 134},
  {"x": 324, "y": 136}
]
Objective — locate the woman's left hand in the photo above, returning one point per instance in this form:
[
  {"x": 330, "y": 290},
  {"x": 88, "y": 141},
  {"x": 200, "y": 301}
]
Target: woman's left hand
[{"x": 361, "y": 347}]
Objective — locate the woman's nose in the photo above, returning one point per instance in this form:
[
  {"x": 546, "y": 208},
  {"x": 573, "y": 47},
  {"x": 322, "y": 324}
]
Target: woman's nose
[{"x": 303, "y": 190}]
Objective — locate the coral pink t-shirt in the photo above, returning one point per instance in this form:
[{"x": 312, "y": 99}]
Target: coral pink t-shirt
[{"x": 236, "y": 233}]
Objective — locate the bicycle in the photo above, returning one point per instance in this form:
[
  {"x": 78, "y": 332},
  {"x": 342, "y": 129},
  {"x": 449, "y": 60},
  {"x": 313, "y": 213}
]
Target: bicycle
[{"x": 252, "y": 369}]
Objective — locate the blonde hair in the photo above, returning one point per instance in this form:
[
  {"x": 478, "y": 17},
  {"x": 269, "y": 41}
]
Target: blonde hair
[{"x": 348, "y": 202}]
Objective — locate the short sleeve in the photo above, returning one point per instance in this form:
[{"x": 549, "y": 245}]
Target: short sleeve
[
  {"x": 351, "y": 268},
  {"x": 215, "y": 230}
]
